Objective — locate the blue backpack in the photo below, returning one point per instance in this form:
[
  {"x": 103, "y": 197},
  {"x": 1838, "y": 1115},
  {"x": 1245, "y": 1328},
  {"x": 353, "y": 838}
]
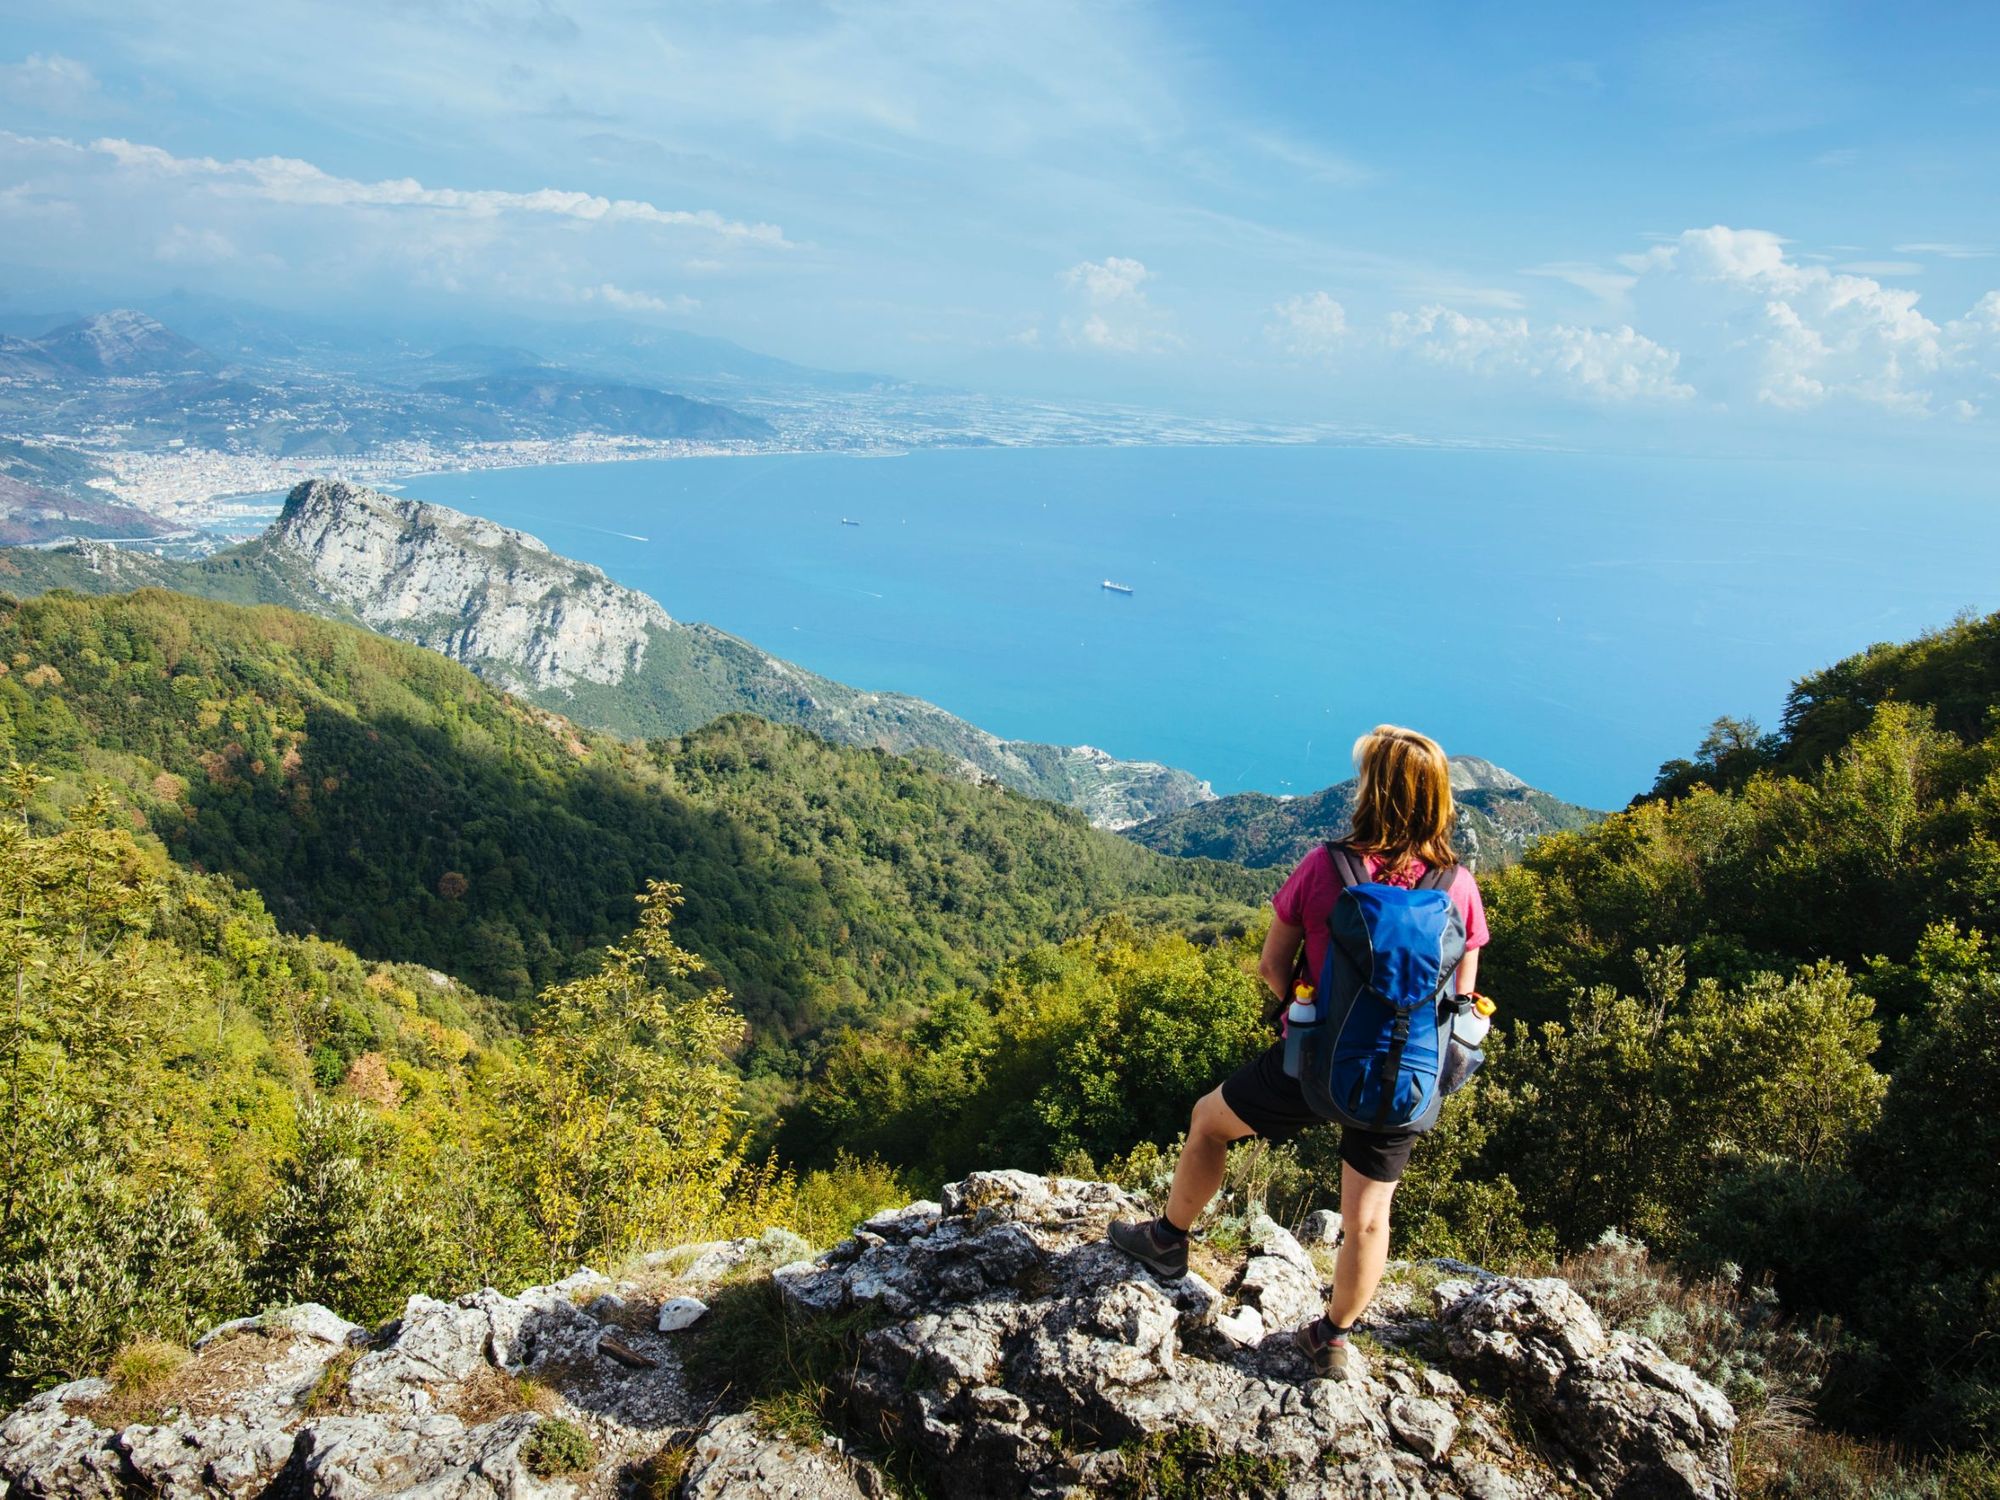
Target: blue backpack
[{"x": 1372, "y": 1055}]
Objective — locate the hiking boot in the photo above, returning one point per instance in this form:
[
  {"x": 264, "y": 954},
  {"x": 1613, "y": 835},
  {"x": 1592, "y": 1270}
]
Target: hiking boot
[
  {"x": 1136, "y": 1240},
  {"x": 1332, "y": 1356}
]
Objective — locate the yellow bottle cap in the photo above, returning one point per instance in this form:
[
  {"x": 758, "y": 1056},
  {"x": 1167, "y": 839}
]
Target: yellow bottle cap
[
  {"x": 1302, "y": 991},
  {"x": 1484, "y": 1006}
]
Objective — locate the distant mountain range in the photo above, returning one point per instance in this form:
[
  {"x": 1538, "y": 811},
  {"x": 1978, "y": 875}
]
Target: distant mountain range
[
  {"x": 616, "y": 349},
  {"x": 1499, "y": 816},
  {"x": 548, "y": 403},
  {"x": 128, "y": 370},
  {"x": 564, "y": 636},
  {"x": 121, "y": 342}
]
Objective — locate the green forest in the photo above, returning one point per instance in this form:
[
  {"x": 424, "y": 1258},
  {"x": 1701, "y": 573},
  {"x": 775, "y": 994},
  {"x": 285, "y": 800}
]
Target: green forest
[{"x": 341, "y": 975}]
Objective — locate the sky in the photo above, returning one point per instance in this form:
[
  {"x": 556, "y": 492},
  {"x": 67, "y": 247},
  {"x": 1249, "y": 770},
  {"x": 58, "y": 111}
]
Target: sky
[{"x": 1766, "y": 227}]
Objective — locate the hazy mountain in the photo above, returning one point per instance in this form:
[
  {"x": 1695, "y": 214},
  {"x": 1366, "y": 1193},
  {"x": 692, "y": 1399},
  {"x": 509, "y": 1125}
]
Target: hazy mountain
[
  {"x": 1499, "y": 815},
  {"x": 30, "y": 513},
  {"x": 642, "y": 352},
  {"x": 119, "y": 342},
  {"x": 549, "y": 403},
  {"x": 459, "y": 361}
]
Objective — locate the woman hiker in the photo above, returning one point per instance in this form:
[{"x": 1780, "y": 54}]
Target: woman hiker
[{"x": 1401, "y": 828}]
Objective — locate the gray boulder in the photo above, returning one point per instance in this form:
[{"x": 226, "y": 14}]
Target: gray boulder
[
  {"x": 734, "y": 1460},
  {"x": 1633, "y": 1422}
]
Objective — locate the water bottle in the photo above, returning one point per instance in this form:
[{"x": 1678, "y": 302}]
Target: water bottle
[
  {"x": 1470, "y": 1029},
  {"x": 1300, "y": 1016},
  {"x": 1463, "y": 1056}
]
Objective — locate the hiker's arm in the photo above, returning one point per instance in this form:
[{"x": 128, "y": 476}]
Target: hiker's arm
[
  {"x": 1468, "y": 972},
  {"x": 1281, "y": 947}
]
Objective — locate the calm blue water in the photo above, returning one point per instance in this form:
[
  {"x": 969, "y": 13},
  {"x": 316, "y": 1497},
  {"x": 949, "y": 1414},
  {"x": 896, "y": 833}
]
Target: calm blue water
[{"x": 1577, "y": 619}]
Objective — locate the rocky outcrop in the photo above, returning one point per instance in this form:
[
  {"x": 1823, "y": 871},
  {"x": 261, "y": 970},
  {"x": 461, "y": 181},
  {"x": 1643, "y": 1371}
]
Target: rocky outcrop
[
  {"x": 495, "y": 599},
  {"x": 990, "y": 1341}
]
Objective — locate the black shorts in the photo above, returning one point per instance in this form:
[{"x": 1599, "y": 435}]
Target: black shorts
[{"x": 1275, "y": 1107}]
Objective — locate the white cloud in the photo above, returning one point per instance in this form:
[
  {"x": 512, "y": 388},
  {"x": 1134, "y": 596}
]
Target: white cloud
[
  {"x": 1605, "y": 364},
  {"x": 1949, "y": 250},
  {"x": 1881, "y": 267},
  {"x": 273, "y": 225},
  {"x": 1787, "y": 334},
  {"x": 1499, "y": 299},
  {"x": 181, "y": 245},
  {"x": 1113, "y": 279},
  {"x": 47, "y": 81},
  {"x": 1116, "y": 315},
  {"x": 1608, "y": 286},
  {"x": 628, "y": 301},
  {"x": 1309, "y": 162},
  {"x": 289, "y": 180},
  {"x": 1310, "y": 325}
]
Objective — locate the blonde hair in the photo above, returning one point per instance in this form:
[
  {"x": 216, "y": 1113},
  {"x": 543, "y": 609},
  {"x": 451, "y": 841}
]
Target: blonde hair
[{"x": 1403, "y": 806}]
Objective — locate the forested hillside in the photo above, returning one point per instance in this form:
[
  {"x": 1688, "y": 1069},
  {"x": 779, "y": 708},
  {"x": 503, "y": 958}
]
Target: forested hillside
[
  {"x": 380, "y": 795},
  {"x": 203, "y": 1112}
]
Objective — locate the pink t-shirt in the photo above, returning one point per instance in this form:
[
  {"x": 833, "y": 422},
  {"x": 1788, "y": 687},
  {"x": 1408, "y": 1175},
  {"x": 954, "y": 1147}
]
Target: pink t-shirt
[{"x": 1306, "y": 900}]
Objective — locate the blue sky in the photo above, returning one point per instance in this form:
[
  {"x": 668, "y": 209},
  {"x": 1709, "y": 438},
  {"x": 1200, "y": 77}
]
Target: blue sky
[{"x": 1747, "y": 225}]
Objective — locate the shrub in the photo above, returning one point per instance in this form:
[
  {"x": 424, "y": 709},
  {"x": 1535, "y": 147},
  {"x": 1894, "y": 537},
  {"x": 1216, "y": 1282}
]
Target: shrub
[
  {"x": 1730, "y": 1334},
  {"x": 558, "y": 1446},
  {"x": 98, "y": 1265},
  {"x": 828, "y": 1203}
]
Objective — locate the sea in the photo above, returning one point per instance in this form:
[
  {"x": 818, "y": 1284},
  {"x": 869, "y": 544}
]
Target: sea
[{"x": 1576, "y": 618}]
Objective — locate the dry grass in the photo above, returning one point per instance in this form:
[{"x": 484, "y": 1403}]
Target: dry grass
[
  {"x": 1809, "y": 1463},
  {"x": 660, "y": 1476},
  {"x": 491, "y": 1394},
  {"x": 143, "y": 1375},
  {"x": 150, "y": 1377},
  {"x": 1218, "y": 1266}
]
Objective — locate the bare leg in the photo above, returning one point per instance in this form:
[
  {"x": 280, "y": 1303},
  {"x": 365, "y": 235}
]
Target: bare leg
[
  {"x": 1364, "y": 1250},
  {"x": 1199, "y": 1173}
]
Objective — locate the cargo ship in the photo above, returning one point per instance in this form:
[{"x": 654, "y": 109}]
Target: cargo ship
[{"x": 1118, "y": 588}]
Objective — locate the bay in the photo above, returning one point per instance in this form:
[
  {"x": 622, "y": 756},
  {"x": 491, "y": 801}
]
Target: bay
[{"x": 1576, "y": 618}]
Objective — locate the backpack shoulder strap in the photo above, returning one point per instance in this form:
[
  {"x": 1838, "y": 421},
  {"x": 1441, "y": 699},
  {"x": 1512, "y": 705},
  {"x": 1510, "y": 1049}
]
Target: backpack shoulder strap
[
  {"x": 1352, "y": 867},
  {"x": 1439, "y": 879}
]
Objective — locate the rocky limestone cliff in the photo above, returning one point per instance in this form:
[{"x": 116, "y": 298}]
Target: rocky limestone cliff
[
  {"x": 493, "y": 598},
  {"x": 988, "y": 1345}
]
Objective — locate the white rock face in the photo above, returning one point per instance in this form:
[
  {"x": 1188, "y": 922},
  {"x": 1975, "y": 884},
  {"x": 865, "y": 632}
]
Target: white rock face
[
  {"x": 1471, "y": 774},
  {"x": 482, "y": 594}
]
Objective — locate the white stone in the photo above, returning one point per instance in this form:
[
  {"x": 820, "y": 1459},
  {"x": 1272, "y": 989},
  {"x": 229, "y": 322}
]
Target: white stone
[
  {"x": 677, "y": 1313},
  {"x": 1244, "y": 1326}
]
